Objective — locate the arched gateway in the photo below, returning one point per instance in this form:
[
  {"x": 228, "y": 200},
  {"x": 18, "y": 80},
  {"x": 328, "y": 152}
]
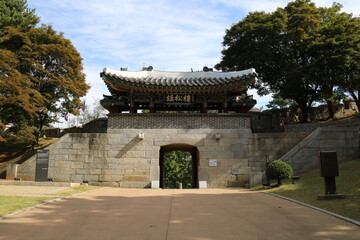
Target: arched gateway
[{"x": 194, "y": 161}]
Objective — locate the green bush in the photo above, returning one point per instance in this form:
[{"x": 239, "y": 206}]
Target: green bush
[{"x": 278, "y": 170}]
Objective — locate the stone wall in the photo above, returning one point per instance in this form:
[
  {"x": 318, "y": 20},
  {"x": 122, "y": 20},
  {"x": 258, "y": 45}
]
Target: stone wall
[
  {"x": 343, "y": 140},
  {"x": 309, "y": 127},
  {"x": 121, "y": 159},
  {"x": 98, "y": 125},
  {"x": 275, "y": 120},
  {"x": 178, "y": 121}
]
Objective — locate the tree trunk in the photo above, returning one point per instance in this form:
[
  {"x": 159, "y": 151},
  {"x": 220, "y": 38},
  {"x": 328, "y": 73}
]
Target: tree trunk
[
  {"x": 40, "y": 128},
  {"x": 304, "y": 113},
  {"x": 330, "y": 108}
]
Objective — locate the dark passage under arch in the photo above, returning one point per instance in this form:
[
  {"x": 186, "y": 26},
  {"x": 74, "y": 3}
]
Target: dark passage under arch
[{"x": 181, "y": 147}]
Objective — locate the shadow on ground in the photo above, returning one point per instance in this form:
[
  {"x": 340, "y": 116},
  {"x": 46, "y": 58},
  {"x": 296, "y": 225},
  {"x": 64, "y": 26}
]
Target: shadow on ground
[{"x": 115, "y": 213}]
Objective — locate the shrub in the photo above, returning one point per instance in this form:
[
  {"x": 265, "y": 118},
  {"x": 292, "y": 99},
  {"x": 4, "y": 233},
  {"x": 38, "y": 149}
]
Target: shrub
[{"x": 278, "y": 170}]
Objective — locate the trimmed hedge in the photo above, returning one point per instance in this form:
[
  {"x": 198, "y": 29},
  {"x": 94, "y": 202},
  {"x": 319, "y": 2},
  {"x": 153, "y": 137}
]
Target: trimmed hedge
[{"x": 278, "y": 170}]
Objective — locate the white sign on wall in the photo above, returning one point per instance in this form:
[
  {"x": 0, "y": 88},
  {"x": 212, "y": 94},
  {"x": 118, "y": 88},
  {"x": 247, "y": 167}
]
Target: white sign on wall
[{"x": 213, "y": 163}]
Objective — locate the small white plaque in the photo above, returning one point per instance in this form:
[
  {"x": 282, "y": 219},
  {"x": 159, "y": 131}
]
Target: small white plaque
[
  {"x": 202, "y": 184},
  {"x": 213, "y": 163}
]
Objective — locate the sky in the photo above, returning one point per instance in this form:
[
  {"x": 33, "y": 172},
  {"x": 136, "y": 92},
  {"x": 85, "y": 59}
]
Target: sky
[{"x": 170, "y": 35}]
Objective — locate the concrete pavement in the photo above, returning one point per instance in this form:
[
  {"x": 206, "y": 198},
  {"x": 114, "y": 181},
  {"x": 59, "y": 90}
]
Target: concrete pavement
[{"x": 195, "y": 214}]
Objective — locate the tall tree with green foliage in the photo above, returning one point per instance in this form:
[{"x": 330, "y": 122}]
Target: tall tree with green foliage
[
  {"x": 42, "y": 73},
  {"x": 279, "y": 103},
  {"x": 177, "y": 169},
  {"x": 290, "y": 48},
  {"x": 16, "y": 13}
]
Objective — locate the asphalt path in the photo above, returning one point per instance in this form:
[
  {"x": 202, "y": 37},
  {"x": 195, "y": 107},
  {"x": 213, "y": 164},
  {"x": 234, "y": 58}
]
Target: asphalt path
[{"x": 195, "y": 214}]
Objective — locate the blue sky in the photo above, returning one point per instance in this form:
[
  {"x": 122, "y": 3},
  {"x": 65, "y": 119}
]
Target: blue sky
[{"x": 170, "y": 35}]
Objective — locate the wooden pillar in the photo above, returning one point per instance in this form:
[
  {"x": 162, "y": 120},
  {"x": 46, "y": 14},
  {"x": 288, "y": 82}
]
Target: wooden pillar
[
  {"x": 225, "y": 107},
  {"x": 205, "y": 107},
  {"x": 152, "y": 108},
  {"x": 132, "y": 107}
]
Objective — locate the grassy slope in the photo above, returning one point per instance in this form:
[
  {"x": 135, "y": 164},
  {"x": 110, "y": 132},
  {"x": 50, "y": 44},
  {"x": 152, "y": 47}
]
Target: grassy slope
[{"x": 311, "y": 184}]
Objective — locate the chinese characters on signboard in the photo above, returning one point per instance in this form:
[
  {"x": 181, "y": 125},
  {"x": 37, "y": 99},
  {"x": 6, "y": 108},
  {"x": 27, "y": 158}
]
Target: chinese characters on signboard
[{"x": 178, "y": 98}]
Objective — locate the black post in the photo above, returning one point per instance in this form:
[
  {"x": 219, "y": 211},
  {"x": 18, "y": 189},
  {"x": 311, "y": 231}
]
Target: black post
[
  {"x": 330, "y": 185},
  {"x": 329, "y": 169}
]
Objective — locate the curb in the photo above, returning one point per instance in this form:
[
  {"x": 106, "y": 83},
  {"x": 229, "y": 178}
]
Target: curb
[
  {"x": 44, "y": 203},
  {"x": 316, "y": 208}
]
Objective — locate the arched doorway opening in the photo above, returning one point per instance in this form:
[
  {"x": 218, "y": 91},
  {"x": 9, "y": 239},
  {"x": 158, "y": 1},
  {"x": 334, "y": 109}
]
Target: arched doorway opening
[{"x": 190, "y": 157}]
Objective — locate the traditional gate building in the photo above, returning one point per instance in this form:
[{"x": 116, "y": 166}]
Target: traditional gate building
[
  {"x": 177, "y": 106},
  {"x": 204, "y": 113}
]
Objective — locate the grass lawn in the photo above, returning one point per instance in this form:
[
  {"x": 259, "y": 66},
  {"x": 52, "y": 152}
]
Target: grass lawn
[
  {"x": 10, "y": 204},
  {"x": 311, "y": 184}
]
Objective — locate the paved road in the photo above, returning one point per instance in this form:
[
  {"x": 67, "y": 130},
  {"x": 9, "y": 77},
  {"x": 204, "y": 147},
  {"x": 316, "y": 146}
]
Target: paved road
[{"x": 209, "y": 214}]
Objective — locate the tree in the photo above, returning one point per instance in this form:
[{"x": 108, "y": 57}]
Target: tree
[
  {"x": 13, "y": 96},
  {"x": 88, "y": 114},
  {"x": 278, "y": 170},
  {"x": 284, "y": 47},
  {"x": 42, "y": 74},
  {"x": 279, "y": 103},
  {"x": 336, "y": 54},
  {"x": 177, "y": 169},
  {"x": 15, "y": 13}
]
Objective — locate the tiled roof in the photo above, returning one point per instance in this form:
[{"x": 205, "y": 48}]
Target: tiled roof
[{"x": 162, "y": 78}]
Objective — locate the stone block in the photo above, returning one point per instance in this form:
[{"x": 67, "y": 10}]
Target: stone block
[
  {"x": 92, "y": 178},
  {"x": 95, "y": 171},
  {"x": 154, "y": 173},
  {"x": 202, "y": 184},
  {"x": 240, "y": 154},
  {"x": 145, "y": 184},
  {"x": 135, "y": 178},
  {"x": 152, "y": 154},
  {"x": 240, "y": 169},
  {"x": 155, "y": 184},
  {"x": 12, "y": 171},
  {"x": 82, "y": 171},
  {"x": 163, "y": 142},
  {"x": 77, "y": 165},
  {"x": 207, "y": 155},
  {"x": 62, "y": 157},
  {"x": 255, "y": 178},
  {"x": 63, "y": 170},
  {"x": 134, "y": 154},
  {"x": 236, "y": 183},
  {"x": 77, "y": 178},
  {"x": 218, "y": 184},
  {"x": 110, "y": 178},
  {"x": 66, "y": 145}
]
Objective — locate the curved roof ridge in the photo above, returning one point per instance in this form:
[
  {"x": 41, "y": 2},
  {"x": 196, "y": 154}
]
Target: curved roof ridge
[{"x": 178, "y": 75}]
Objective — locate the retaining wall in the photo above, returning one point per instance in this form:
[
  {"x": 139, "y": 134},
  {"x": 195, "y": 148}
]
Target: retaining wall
[{"x": 343, "y": 140}]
